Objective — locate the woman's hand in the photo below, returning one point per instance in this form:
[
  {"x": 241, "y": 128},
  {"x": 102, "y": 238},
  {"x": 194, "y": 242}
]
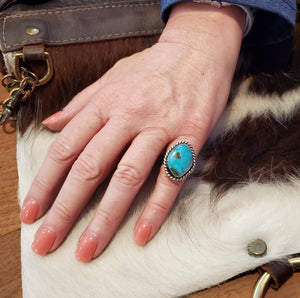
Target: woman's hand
[{"x": 174, "y": 91}]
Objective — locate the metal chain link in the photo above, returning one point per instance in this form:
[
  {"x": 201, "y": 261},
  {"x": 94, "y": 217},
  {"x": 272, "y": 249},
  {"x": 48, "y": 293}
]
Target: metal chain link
[
  {"x": 19, "y": 91},
  {"x": 21, "y": 84}
]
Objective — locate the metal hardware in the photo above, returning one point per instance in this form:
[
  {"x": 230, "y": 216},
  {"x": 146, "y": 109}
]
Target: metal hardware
[
  {"x": 32, "y": 30},
  {"x": 262, "y": 285},
  {"x": 21, "y": 83},
  {"x": 17, "y": 70},
  {"x": 17, "y": 96},
  {"x": 9, "y": 81},
  {"x": 9, "y": 105},
  {"x": 257, "y": 248},
  {"x": 264, "y": 282}
]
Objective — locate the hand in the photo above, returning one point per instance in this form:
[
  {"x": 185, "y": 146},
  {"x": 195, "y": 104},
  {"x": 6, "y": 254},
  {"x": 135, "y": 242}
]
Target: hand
[{"x": 174, "y": 91}]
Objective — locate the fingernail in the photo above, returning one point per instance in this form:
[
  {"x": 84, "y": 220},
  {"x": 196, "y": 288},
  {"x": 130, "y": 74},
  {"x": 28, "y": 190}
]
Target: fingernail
[
  {"x": 29, "y": 211},
  {"x": 51, "y": 118},
  {"x": 142, "y": 234},
  {"x": 86, "y": 248},
  {"x": 43, "y": 241}
]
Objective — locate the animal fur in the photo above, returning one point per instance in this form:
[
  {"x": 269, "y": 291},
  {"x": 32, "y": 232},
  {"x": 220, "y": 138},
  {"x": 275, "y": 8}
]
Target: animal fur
[{"x": 246, "y": 187}]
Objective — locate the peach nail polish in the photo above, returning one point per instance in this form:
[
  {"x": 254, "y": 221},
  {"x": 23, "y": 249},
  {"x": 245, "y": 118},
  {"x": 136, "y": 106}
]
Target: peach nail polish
[
  {"x": 86, "y": 248},
  {"x": 142, "y": 234},
  {"x": 43, "y": 241},
  {"x": 29, "y": 211},
  {"x": 51, "y": 118}
]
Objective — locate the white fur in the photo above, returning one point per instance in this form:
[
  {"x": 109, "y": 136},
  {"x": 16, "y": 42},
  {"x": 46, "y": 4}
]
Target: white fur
[
  {"x": 8, "y": 60},
  {"x": 245, "y": 104},
  {"x": 206, "y": 247}
]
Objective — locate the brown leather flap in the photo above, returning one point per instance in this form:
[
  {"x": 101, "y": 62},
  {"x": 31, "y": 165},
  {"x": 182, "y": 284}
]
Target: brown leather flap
[
  {"x": 79, "y": 23},
  {"x": 5, "y": 3}
]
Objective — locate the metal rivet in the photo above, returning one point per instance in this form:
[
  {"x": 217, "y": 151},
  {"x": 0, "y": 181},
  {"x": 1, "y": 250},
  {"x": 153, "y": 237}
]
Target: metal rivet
[
  {"x": 32, "y": 30},
  {"x": 257, "y": 248}
]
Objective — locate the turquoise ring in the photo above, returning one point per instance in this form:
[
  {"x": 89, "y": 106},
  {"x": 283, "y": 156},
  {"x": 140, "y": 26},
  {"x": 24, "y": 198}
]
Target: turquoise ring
[{"x": 179, "y": 161}]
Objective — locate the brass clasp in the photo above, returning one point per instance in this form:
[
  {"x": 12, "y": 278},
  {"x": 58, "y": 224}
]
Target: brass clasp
[
  {"x": 18, "y": 71},
  {"x": 21, "y": 82}
]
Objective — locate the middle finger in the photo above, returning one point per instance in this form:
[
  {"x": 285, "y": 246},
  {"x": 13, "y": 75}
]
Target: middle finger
[{"x": 128, "y": 178}]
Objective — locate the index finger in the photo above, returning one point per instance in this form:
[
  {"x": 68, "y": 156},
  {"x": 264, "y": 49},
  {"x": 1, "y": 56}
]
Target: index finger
[{"x": 62, "y": 153}]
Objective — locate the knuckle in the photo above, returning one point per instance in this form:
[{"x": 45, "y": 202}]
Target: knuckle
[
  {"x": 63, "y": 212},
  {"x": 197, "y": 124},
  {"x": 159, "y": 134},
  {"x": 106, "y": 218},
  {"x": 159, "y": 207},
  {"x": 96, "y": 110},
  {"x": 101, "y": 99},
  {"x": 61, "y": 150},
  {"x": 42, "y": 185},
  {"x": 128, "y": 176},
  {"x": 163, "y": 134},
  {"x": 86, "y": 168}
]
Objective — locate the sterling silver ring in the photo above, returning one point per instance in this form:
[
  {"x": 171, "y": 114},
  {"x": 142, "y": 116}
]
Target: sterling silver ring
[{"x": 179, "y": 161}]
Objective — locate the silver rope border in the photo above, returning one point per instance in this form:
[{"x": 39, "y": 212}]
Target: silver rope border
[{"x": 166, "y": 167}]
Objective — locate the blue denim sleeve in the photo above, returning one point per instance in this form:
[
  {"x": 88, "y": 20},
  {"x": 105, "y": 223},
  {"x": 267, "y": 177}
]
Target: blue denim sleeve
[{"x": 274, "y": 21}]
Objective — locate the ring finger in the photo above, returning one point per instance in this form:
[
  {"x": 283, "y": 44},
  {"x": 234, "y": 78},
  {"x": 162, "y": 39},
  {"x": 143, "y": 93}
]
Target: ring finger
[{"x": 169, "y": 182}]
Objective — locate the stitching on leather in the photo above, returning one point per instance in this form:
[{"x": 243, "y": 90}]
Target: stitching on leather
[
  {"x": 86, "y": 8},
  {"x": 3, "y": 33},
  {"x": 88, "y": 38},
  {"x": 130, "y": 33}
]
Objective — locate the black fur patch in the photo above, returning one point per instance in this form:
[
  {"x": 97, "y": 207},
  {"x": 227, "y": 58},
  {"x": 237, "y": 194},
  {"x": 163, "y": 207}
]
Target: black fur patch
[{"x": 263, "y": 150}]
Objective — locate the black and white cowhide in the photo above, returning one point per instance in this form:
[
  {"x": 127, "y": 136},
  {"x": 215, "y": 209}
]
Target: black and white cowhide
[{"x": 246, "y": 187}]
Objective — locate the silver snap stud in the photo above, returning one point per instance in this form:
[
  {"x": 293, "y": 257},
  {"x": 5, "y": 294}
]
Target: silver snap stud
[
  {"x": 257, "y": 248},
  {"x": 32, "y": 30}
]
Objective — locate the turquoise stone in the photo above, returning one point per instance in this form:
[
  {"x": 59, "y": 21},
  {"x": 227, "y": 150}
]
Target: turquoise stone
[{"x": 180, "y": 160}]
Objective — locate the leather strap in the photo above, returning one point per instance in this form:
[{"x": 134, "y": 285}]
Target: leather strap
[
  {"x": 280, "y": 271},
  {"x": 34, "y": 53},
  {"x": 68, "y": 22}
]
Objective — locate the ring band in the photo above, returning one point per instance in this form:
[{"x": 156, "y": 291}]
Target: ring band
[{"x": 179, "y": 161}]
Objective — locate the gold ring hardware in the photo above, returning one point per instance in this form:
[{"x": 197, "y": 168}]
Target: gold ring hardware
[
  {"x": 9, "y": 81},
  {"x": 17, "y": 70},
  {"x": 27, "y": 86},
  {"x": 29, "y": 75},
  {"x": 264, "y": 281}
]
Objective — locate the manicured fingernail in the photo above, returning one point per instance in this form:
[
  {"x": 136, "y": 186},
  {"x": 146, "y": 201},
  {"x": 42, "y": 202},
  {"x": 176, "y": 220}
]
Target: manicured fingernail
[
  {"x": 86, "y": 248},
  {"x": 29, "y": 211},
  {"x": 43, "y": 241},
  {"x": 142, "y": 233},
  {"x": 51, "y": 118}
]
